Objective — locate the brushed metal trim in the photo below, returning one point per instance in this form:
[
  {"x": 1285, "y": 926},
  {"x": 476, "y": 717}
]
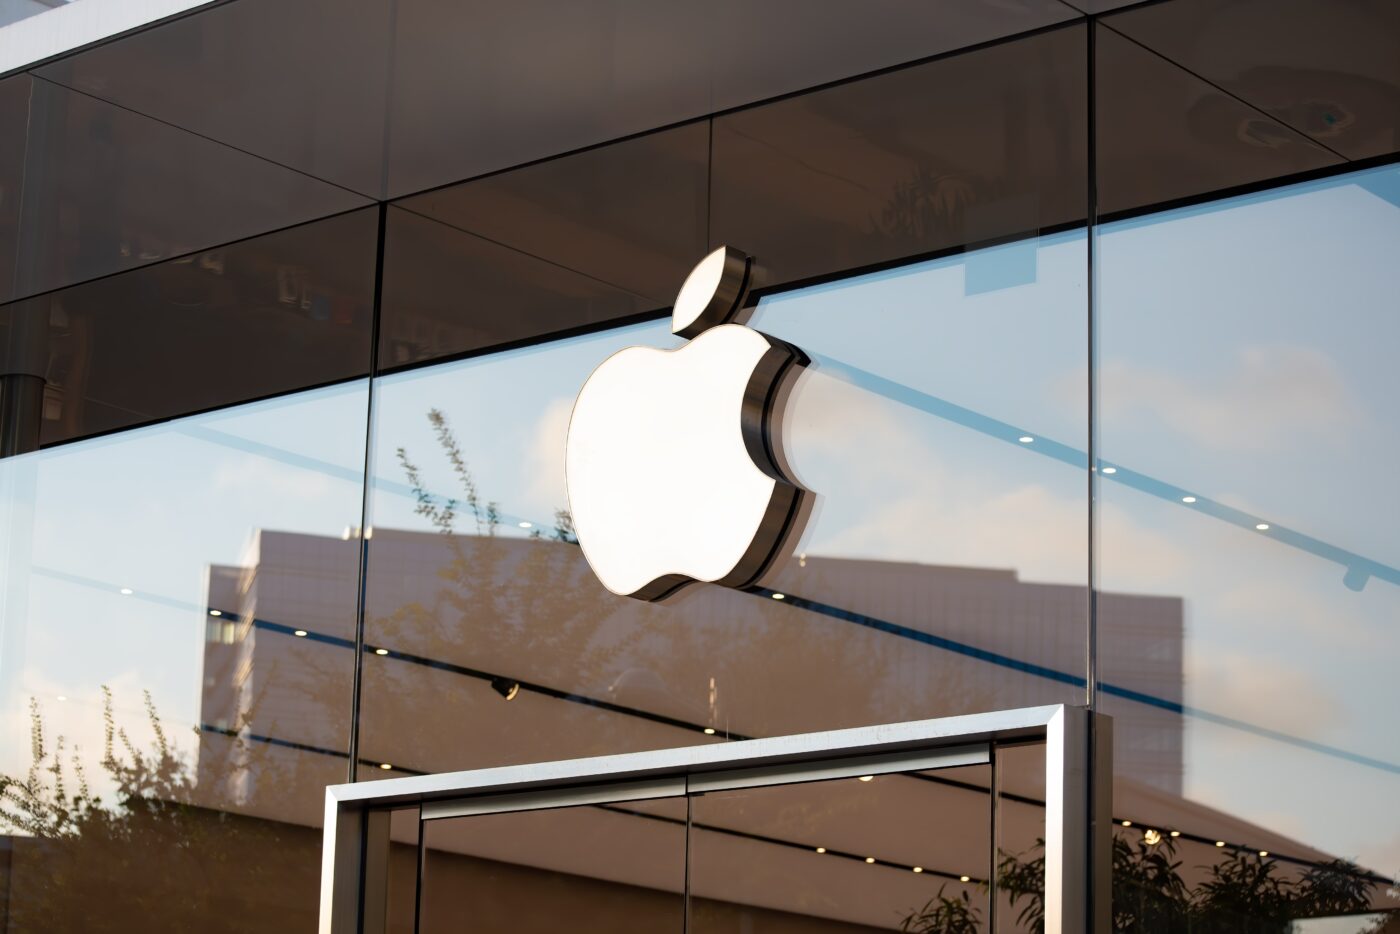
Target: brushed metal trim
[
  {"x": 978, "y": 754},
  {"x": 554, "y": 798}
]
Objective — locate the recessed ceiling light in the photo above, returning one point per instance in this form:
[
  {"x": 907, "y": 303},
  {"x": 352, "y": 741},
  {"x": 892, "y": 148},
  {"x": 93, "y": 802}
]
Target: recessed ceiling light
[
  {"x": 381, "y": 651},
  {"x": 1110, "y": 470},
  {"x": 216, "y": 612},
  {"x": 709, "y": 731},
  {"x": 779, "y": 596},
  {"x": 870, "y": 859},
  {"x": 1127, "y": 823},
  {"x": 1025, "y": 439},
  {"x": 964, "y": 878},
  {"x": 1263, "y": 852},
  {"x": 1219, "y": 842},
  {"x": 127, "y": 591},
  {"x": 821, "y": 849},
  {"x": 1176, "y": 833},
  {"x": 918, "y": 868},
  {"x": 867, "y": 778},
  {"x": 1262, "y": 526},
  {"x": 1188, "y": 499},
  {"x": 300, "y": 633},
  {"x": 1151, "y": 837},
  {"x": 526, "y": 525},
  {"x": 386, "y": 766}
]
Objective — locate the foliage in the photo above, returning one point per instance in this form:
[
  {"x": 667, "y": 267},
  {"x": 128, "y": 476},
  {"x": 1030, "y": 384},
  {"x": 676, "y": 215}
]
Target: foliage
[
  {"x": 1244, "y": 893},
  {"x": 945, "y": 915}
]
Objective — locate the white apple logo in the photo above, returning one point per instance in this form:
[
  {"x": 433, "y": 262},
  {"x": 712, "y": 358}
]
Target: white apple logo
[{"x": 671, "y": 462}]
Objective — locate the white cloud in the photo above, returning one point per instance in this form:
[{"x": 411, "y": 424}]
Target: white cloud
[{"x": 1270, "y": 398}]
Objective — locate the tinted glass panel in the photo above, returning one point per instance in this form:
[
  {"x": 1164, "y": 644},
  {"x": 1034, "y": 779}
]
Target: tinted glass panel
[
  {"x": 107, "y": 189},
  {"x": 974, "y": 147},
  {"x": 255, "y": 318},
  {"x": 1245, "y": 352},
  {"x": 1329, "y": 70},
  {"x": 178, "y": 606},
  {"x": 1163, "y": 133}
]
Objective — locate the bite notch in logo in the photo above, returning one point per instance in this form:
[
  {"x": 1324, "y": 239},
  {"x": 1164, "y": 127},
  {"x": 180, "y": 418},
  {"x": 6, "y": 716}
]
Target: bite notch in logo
[{"x": 673, "y": 462}]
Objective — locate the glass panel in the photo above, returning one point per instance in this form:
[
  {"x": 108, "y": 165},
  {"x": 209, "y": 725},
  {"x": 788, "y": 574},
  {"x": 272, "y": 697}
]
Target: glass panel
[
  {"x": 966, "y": 149},
  {"x": 604, "y": 70},
  {"x": 1020, "y": 841},
  {"x": 1330, "y": 70},
  {"x": 1165, "y": 134},
  {"x": 903, "y": 852},
  {"x": 593, "y": 868},
  {"x": 107, "y": 189},
  {"x": 567, "y": 244},
  {"x": 175, "y": 671},
  {"x": 255, "y": 318},
  {"x": 245, "y": 74},
  {"x": 943, "y": 572},
  {"x": 1247, "y": 483}
]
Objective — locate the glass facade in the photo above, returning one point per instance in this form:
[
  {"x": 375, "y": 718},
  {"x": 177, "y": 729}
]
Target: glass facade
[{"x": 1099, "y": 306}]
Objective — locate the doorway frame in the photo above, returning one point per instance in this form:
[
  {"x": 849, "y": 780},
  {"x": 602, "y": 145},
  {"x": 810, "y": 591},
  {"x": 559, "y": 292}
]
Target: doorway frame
[{"x": 355, "y": 846}]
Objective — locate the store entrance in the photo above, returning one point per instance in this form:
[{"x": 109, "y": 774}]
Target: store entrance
[{"x": 885, "y": 828}]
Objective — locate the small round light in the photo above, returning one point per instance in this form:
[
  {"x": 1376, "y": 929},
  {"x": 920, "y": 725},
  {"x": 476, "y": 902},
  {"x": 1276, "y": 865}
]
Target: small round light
[
  {"x": 779, "y": 596},
  {"x": 386, "y": 766},
  {"x": 216, "y": 612},
  {"x": 709, "y": 731},
  {"x": 1263, "y": 853},
  {"x": 381, "y": 651},
  {"x": 964, "y": 878},
  {"x": 1151, "y": 837},
  {"x": 1262, "y": 526},
  {"x": 867, "y": 778},
  {"x": 300, "y": 633},
  {"x": 918, "y": 868},
  {"x": 1176, "y": 833},
  {"x": 526, "y": 525},
  {"x": 870, "y": 859},
  {"x": 1127, "y": 823},
  {"x": 1110, "y": 470},
  {"x": 1219, "y": 842},
  {"x": 821, "y": 849},
  {"x": 1188, "y": 499},
  {"x": 1025, "y": 439},
  {"x": 127, "y": 591}
]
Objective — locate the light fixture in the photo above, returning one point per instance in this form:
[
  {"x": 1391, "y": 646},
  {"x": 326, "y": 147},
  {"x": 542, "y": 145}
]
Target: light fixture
[
  {"x": 964, "y": 878},
  {"x": 1151, "y": 837},
  {"x": 1263, "y": 853},
  {"x": 779, "y": 596},
  {"x": 821, "y": 849},
  {"x": 1025, "y": 439},
  {"x": 1188, "y": 499},
  {"x": 1127, "y": 823},
  {"x": 300, "y": 633},
  {"x": 127, "y": 591},
  {"x": 526, "y": 525},
  {"x": 386, "y": 766},
  {"x": 505, "y": 687},
  {"x": 918, "y": 868},
  {"x": 216, "y": 612},
  {"x": 709, "y": 731},
  {"x": 1262, "y": 526},
  {"x": 1110, "y": 470},
  {"x": 1219, "y": 842},
  {"x": 870, "y": 859},
  {"x": 867, "y": 778},
  {"x": 1176, "y": 833},
  {"x": 381, "y": 651}
]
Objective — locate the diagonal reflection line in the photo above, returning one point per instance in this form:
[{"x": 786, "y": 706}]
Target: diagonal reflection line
[{"x": 1358, "y": 568}]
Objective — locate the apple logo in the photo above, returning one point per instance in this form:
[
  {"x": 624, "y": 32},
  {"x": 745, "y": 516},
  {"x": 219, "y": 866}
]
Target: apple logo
[{"x": 672, "y": 463}]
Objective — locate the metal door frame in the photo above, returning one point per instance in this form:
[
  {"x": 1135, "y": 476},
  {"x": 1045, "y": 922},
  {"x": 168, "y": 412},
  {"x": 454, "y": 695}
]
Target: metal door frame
[{"x": 355, "y": 850}]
